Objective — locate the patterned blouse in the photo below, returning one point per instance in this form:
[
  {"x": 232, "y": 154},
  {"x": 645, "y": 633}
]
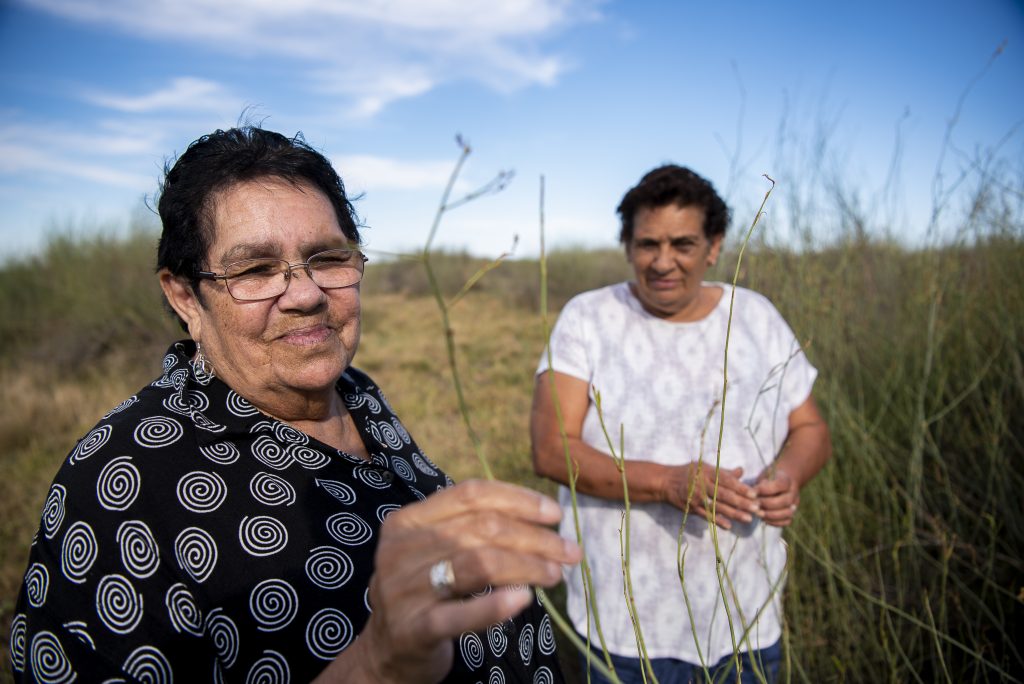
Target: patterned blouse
[{"x": 190, "y": 537}]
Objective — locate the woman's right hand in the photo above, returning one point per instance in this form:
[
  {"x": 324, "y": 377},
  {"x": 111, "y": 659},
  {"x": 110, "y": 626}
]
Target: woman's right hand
[
  {"x": 692, "y": 486},
  {"x": 495, "y": 535}
]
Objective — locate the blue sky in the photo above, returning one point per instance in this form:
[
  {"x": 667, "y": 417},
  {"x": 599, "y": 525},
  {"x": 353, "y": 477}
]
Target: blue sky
[{"x": 96, "y": 94}]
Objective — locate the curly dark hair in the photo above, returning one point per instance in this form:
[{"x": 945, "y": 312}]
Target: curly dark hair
[
  {"x": 216, "y": 162},
  {"x": 678, "y": 185}
]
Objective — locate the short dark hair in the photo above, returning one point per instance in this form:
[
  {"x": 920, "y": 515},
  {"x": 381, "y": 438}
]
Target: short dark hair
[
  {"x": 678, "y": 185},
  {"x": 220, "y": 160}
]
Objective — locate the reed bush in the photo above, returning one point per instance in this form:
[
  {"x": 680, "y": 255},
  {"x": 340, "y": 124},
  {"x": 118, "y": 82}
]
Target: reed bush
[{"x": 907, "y": 552}]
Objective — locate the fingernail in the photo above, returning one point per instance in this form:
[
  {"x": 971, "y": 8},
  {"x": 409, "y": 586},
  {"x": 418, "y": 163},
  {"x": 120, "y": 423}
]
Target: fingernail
[
  {"x": 550, "y": 509},
  {"x": 744, "y": 517},
  {"x": 793, "y": 507},
  {"x": 571, "y": 549}
]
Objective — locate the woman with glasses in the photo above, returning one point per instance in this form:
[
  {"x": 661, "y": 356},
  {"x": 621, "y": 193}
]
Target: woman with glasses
[{"x": 258, "y": 512}]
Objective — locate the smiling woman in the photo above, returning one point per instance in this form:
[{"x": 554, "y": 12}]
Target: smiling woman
[{"x": 258, "y": 512}]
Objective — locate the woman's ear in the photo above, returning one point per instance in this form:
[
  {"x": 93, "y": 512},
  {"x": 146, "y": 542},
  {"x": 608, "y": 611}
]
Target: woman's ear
[
  {"x": 182, "y": 298},
  {"x": 714, "y": 250}
]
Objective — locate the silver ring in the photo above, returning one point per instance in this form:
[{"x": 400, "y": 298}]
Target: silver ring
[{"x": 442, "y": 578}]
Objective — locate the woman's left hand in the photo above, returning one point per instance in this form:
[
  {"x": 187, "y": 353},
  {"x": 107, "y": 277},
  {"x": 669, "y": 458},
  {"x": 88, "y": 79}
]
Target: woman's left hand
[
  {"x": 487, "y": 535},
  {"x": 779, "y": 495}
]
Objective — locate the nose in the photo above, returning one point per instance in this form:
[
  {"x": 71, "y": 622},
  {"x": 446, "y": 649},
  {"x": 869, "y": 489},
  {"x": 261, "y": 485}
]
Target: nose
[
  {"x": 300, "y": 292},
  {"x": 663, "y": 261}
]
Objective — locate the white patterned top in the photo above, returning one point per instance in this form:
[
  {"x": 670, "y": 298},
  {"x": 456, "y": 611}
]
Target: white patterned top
[{"x": 662, "y": 381}]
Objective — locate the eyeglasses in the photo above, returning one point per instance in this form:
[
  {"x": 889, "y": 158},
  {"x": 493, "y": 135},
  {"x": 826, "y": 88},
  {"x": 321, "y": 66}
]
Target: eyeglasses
[{"x": 250, "y": 280}]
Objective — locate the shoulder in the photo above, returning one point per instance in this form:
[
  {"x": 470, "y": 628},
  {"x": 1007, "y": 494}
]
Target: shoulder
[
  {"x": 753, "y": 304},
  {"x": 601, "y": 299}
]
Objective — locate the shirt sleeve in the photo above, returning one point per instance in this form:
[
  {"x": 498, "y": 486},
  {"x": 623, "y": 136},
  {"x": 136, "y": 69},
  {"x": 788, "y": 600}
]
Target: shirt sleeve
[
  {"x": 569, "y": 353},
  {"x": 795, "y": 372}
]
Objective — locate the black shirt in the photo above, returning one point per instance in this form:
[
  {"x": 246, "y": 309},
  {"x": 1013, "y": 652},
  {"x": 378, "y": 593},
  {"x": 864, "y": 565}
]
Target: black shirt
[{"x": 190, "y": 537}]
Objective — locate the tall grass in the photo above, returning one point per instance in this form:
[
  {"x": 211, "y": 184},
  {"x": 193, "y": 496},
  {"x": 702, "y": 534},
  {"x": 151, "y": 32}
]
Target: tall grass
[{"x": 907, "y": 552}]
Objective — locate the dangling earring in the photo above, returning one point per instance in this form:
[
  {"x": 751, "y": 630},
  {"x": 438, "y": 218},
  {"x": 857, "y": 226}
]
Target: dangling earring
[{"x": 202, "y": 364}]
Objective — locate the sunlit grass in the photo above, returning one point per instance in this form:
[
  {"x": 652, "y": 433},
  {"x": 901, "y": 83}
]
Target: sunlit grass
[{"x": 906, "y": 554}]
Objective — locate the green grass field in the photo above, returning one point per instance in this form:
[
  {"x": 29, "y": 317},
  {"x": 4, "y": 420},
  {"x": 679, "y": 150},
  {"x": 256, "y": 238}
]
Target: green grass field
[{"x": 907, "y": 552}]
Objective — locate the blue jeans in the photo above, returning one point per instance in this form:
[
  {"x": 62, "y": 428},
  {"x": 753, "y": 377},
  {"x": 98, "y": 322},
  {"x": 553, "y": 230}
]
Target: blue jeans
[{"x": 672, "y": 671}]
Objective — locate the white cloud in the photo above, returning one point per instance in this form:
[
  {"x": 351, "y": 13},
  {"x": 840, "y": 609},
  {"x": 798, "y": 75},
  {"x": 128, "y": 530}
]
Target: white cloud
[
  {"x": 381, "y": 173},
  {"x": 372, "y": 52},
  {"x": 61, "y": 153},
  {"x": 193, "y": 94}
]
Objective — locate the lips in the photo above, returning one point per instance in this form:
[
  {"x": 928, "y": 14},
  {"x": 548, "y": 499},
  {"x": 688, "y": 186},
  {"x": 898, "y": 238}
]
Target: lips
[{"x": 308, "y": 335}]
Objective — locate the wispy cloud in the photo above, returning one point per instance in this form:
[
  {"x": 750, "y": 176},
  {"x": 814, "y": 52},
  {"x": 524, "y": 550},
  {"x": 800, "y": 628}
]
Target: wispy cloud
[
  {"x": 372, "y": 52},
  {"x": 379, "y": 173},
  {"x": 59, "y": 153},
  {"x": 183, "y": 93}
]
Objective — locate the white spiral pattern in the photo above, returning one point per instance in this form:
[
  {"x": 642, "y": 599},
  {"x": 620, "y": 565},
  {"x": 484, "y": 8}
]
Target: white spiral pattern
[
  {"x": 157, "y": 431},
  {"x": 90, "y": 444},
  {"x": 186, "y": 403},
  {"x": 371, "y": 477},
  {"x": 78, "y": 552},
  {"x": 543, "y": 675},
  {"x": 240, "y": 406},
  {"x": 37, "y": 584},
  {"x": 183, "y": 610},
  {"x": 122, "y": 406},
  {"x": 421, "y": 463},
  {"x": 262, "y": 426},
  {"x": 545, "y": 636},
  {"x": 203, "y": 423},
  {"x": 170, "y": 360},
  {"x": 271, "y": 668},
  {"x": 339, "y": 490},
  {"x": 328, "y": 633},
  {"x": 179, "y": 378},
  {"x": 271, "y": 490},
  {"x": 49, "y": 662},
  {"x": 148, "y": 665},
  {"x": 526, "y": 644},
  {"x": 307, "y": 457},
  {"x": 385, "y": 510},
  {"x": 286, "y": 433},
  {"x": 118, "y": 604},
  {"x": 385, "y": 433},
  {"x": 496, "y": 676},
  {"x": 196, "y": 553},
  {"x": 400, "y": 429},
  {"x": 221, "y": 453},
  {"x": 497, "y": 640},
  {"x": 472, "y": 649},
  {"x": 403, "y": 469},
  {"x": 328, "y": 567},
  {"x": 53, "y": 510},
  {"x": 18, "y": 630},
  {"x": 354, "y": 400},
  {"x": 139, "y": 551},
  {"x": 78, "y": 628},
  {"x": 261, "y": 535},
  {"x": 349, "y": 529},
  {"x": 222, "y": 631},
  {"x": 273, "y": 604},
  {"x": 360, "y": 399},
  {"x": 118, "y": 484},
  {"x": 201, "y": 492},
  {"x": 269, "y": 452}
]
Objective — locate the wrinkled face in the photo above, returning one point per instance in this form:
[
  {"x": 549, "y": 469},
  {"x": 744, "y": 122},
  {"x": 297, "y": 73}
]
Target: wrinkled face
[
  {"x": 299, "y": 342},
  {"x": 670, "y": 254}
]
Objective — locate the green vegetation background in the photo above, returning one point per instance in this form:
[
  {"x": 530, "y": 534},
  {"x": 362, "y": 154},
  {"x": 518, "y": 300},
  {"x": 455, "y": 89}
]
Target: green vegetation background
[{"x": 907, "y": 552}]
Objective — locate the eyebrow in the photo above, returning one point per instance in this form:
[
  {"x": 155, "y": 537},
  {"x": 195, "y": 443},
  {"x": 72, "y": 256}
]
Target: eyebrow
[{"x": 271, "y": 250}]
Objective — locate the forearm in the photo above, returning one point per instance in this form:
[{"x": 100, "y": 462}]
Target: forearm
[
  {"x": 597, "y": 473},
  {"x": 807, "y": 449}
]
